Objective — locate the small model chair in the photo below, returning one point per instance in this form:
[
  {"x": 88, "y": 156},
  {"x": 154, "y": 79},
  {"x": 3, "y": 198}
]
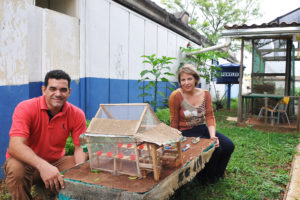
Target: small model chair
[{"x": 281, "y": 107}]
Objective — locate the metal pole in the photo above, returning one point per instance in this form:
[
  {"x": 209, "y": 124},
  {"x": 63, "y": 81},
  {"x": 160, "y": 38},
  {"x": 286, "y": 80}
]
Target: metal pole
[{"x": 228, "y": 96}]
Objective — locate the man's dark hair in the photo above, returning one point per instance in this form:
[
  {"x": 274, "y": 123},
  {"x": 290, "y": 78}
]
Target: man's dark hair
[{"x": 57, "y": 74}]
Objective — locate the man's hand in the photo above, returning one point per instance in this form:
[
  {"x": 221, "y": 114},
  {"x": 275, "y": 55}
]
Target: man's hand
[{"x": 51, "y": 176}]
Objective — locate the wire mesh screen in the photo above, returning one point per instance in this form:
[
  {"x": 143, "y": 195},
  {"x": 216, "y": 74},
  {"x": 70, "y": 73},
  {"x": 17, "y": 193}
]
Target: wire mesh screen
[
  {"x": 269, "y": 66},
  {"x": 113, "y": 154}
]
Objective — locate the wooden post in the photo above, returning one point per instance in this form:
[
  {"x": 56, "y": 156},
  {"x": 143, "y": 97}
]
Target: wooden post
[
  {"x": 266, "y": 111},
  {"x": 240, "y": 105},
  {"x": 155, "y": 163},
  {"x": 180, "y": 161},
  {"x": 298, "y": 116},
  {"x": 137, "y": 160},
  {"x": 107, "y": 112},
  {"x": 141, "y": 119},
  {"x": 287, "y": 90}
]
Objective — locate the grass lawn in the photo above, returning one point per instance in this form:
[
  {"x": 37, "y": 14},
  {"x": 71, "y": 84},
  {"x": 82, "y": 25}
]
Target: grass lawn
[{"x": 259, "y": 167}]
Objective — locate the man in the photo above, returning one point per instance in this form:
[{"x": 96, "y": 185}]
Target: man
[{"x": 38, "y": 136}]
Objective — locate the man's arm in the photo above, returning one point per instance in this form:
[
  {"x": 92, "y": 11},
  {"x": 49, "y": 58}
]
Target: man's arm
[
  {"x": 49, "y": 173},
  {"x": 79, "y": 155}
]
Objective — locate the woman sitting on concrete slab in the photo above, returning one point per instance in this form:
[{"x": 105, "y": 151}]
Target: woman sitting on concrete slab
[{"x": 191, "y": 112}]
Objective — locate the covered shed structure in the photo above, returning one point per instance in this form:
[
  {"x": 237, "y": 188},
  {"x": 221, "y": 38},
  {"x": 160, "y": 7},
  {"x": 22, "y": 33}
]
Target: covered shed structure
[{"x": 275, "y": 54}]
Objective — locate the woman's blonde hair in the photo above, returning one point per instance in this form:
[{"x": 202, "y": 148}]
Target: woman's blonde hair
[{"x": 189, "y": 69}]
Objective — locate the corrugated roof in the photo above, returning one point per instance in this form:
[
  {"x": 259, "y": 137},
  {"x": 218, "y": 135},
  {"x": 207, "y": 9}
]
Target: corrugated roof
[
  {"x": 283, "y": 30},
  {"x": 264, "y": 25},
  {"x": 292, "y": 16}
]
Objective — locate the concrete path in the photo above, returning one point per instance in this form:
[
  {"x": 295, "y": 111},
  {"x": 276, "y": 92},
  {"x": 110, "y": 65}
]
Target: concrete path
[{"x": 293, "y": 192}]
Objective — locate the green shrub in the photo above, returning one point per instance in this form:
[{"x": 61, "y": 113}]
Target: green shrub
[
  {"x": 69, "y": 148},
  {"x": 163, "y": 115}
]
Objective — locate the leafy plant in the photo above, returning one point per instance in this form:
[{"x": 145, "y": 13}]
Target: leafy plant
[{"x": 160, "y": 71}]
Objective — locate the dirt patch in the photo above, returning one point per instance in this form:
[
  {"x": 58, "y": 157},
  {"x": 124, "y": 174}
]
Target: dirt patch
[{"x": 267, "y": 127}]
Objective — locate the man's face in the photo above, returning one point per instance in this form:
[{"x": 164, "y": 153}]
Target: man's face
[{"x": 56, "y": 94}]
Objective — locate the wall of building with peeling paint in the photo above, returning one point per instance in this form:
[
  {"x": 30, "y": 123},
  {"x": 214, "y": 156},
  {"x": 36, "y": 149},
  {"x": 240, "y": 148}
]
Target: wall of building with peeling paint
[
  {"x": 100, "y": 46},
  {"x": 116, "y": 38}
]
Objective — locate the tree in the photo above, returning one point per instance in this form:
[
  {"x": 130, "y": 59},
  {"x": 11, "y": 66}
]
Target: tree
[{"x": 210, "y": 16}]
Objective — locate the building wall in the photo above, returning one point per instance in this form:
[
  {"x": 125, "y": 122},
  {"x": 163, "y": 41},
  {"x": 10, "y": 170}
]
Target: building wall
[
  {"x": 116, "y": 38},
  {"x": 101, "y": 50},
  {"x": 33, "y": 41}
]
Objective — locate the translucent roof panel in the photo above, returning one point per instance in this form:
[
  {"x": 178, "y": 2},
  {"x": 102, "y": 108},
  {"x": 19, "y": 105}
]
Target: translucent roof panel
[
  {"x": 149, "y": 121},
  {"x": 122, "y": 111}
]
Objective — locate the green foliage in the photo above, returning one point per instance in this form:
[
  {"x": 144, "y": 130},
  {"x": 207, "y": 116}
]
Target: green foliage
[
  {"x": 69, "y": 148},
  {"x": 200, "y": 60},
  {"x": 160, "y": 71},
  {"x": 210, "y": 16},
  {"x": 163, "y": 115},
  {"x": 297, "y": 92},
  {"x": 4, "y": 194}
]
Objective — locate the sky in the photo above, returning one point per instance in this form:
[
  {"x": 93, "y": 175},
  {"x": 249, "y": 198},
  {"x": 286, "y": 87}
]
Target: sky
[{"x": 271, "y": 9}]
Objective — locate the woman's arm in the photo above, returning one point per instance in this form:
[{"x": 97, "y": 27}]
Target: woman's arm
[
  {"x": 174, "y": 110},
  {"x": 210, "y": 118}
]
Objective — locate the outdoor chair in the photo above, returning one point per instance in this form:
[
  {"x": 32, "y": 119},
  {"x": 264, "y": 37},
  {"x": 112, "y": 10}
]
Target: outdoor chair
[{"x": 280, "y": 107}]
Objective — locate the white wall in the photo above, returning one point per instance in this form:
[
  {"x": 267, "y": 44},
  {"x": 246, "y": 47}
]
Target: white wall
[
  {"x": 117, "y": 38},
  {"x": 13, "y": 42}
]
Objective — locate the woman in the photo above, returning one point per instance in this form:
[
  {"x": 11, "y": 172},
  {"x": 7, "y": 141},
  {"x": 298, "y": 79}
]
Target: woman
[{"x": 190, "y": 108}]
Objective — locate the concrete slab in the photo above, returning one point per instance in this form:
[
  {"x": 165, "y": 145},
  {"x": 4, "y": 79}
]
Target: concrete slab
[
  {"x": 81, "y": 183},
  {"x": 293, "y": 192}
]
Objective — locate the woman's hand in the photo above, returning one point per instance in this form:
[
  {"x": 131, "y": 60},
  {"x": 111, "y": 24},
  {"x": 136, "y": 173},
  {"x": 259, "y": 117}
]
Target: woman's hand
[{"x": 216, "y": 140}]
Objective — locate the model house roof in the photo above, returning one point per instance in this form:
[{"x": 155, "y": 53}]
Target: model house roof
[{"x": 132, "y": 120}]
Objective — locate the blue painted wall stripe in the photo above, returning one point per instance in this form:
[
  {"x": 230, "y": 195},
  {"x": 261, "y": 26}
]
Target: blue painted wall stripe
[
  {"x": 10, "y": 96},
  {"x": 118, "y": 91},
  {"x": 97, "y": 92}
]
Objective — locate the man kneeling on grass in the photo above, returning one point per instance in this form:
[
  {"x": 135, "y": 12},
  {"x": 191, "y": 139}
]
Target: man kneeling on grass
[{"x": 38, "y": 135}]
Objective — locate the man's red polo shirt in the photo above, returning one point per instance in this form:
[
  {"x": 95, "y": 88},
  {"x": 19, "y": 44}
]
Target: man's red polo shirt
[{"x": 47, "y": 138}]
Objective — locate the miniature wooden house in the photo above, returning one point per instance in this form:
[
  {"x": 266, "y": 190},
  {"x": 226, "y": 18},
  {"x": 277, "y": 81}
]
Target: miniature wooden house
[{"x": 129, "y": 139}]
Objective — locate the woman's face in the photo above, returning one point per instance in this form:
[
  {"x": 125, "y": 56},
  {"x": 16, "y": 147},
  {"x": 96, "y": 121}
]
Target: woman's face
[{"x": 187, "y": 82}]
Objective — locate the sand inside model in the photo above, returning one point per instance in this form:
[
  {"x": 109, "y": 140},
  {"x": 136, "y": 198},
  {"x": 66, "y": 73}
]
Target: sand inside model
[{"x": 129, "y": 139}]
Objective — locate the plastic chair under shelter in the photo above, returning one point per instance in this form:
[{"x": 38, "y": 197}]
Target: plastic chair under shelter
[{"x": 280, "y": 107}]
